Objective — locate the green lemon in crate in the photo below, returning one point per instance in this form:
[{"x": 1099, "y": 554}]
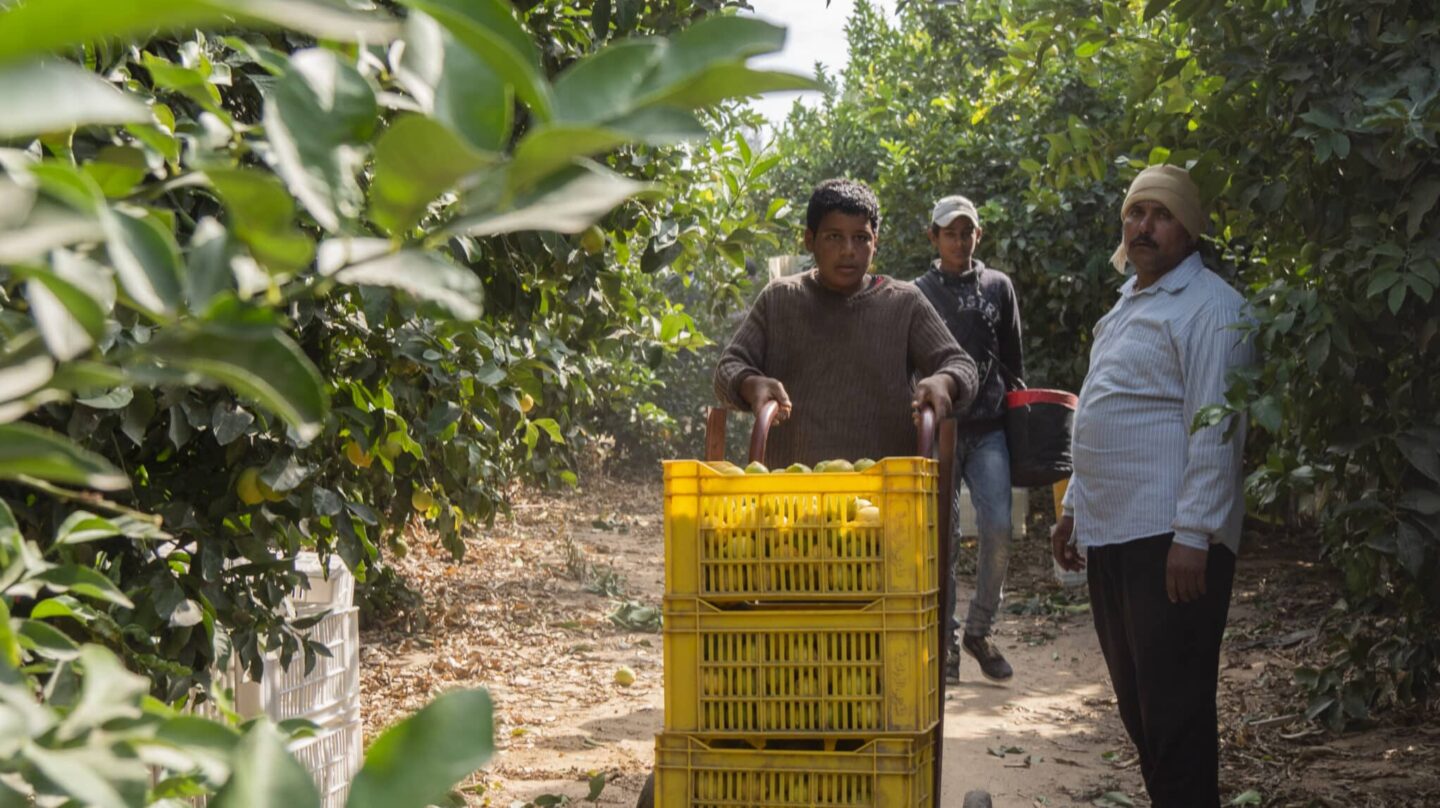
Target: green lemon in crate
[
  {"x": 756, "y": 467},
  {"x": 863, "y": 464}
]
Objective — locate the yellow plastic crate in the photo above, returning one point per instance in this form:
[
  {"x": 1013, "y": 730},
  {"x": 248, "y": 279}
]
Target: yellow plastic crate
[
  {"x": 849, "y": 669},
  {"x": 692, "y": 772},
  {"x": 786, "y": 536}
]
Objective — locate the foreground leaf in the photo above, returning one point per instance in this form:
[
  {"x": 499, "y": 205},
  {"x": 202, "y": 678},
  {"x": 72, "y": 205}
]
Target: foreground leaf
[
  {"x": 58, "y": 96},
  {"x": 266, "y": 775},
  {"x": 415, "y": 762},
  {"x": 28, "y": 450},
  {"x": 260, "y": 362},
  {"x": 567, "y": 202}
]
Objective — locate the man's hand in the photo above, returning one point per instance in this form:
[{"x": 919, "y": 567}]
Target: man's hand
[
  {"x": 1067, "y": 555},
  {"x": 1185, "y": 573},
  {"x": 760, "y": 390},
  {"x": 934, "y": 392}
]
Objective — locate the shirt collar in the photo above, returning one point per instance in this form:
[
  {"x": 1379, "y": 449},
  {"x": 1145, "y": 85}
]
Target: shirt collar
[
  {"x": 1173, "y": 281},
  {"x": 968, "y": 275}
]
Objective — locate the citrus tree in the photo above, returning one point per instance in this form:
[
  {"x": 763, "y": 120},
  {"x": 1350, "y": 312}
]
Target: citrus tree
[
  {"x": 1311, "y": 129},
  {"x": 285, "y": 276}
]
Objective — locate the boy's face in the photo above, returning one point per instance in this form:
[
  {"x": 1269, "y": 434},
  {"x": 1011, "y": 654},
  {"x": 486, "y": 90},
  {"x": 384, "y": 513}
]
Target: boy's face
[
  {"x": 843, "y": 245},
  {"x": 956, "y": 242}
]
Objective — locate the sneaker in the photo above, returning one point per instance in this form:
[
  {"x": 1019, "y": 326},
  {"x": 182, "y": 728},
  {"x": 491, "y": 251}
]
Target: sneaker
[
  {"x": 952, "y": 665},
  {"x": 992, "y": 662}
]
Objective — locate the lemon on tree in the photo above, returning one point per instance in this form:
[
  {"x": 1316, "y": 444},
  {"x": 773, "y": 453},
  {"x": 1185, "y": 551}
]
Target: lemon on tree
[
  {"x": 527, "y": 403},
  {"x": 247, "y": 486},
  {"x": 357, "y": 456},
  {"x": 421, "y": 500},
  {"x": 392, "y": 446}
]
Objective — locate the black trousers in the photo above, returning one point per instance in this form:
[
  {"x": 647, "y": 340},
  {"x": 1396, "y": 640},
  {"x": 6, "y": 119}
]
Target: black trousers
[{"x": 1164, "y": 661}]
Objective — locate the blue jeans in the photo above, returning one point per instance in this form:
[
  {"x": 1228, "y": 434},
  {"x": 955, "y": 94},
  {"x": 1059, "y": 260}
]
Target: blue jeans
[{"x": 982, "y": 463}]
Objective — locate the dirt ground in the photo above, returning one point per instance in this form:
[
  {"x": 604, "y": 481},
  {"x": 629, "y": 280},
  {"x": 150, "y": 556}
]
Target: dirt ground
[{"x": 527, "y": 615}]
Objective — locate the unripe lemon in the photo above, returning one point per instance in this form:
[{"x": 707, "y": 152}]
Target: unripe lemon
[
  {"x": 247, "y": 486},
  {"x": 421, "y": 500},
  {"x": 527, "y": 403},
  {"x": 357, "y": 456},
  {"x": 592, "y": 240},
  {"x": 392, "y": 447},
  {"x": 624, "y": 676},
  {"x": 270, "y": 494}
]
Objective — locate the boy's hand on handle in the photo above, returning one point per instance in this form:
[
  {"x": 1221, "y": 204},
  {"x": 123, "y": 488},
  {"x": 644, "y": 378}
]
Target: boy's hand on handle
[
  {"x": 934, "y": 392},
  {"x": 760, "y": 390},
  {"x": 1067, "y": 555}
]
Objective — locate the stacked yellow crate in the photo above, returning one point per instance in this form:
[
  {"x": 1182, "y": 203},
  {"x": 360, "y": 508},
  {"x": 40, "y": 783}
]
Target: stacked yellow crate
[{"x": 801, "y": 629}]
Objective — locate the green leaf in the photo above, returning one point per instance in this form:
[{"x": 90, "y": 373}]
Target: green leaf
[
  {"x": 262, "y": 363},
  {"x": 263, "y": 216},
  {"x": 455, "y": 86},
  {"x": 36, "y": 28},
  {"x": 318, "y": 117},
  {"x": 82, "y": 526},
  {"x": 1422, "y": 199},
  {"x": 57, "y": 96},
  {"x": 416, "y": 160},
  {"x": 28, "y": 450},
  {"x": 208, "y": 267},
  {"x": 77, "y": 772},
  {"x": 424, "y": 275},
  {"x": 727, "y": 81},
  {"x": 1268, "y": 413},
  {"x": 84, "y": 581},
  {"x": 146, "y": 259},
  {"x": 11, "y": 654},
  {"x": 117, "y": 169},
  {"x": 46, "y": 641},
  {"x": 68, "y": 317},
  {"x": 550, "y": 428},
  {"x": 566, "y": 202},
  {"x": 415, "y": 762},
  {"x": 1422, "y": 501},
  {"x": 266, "y": 775},
  {"x": 605, "y": 86},
  {"x": 551, "y": 148},
  {"x": 1251, "y": 797},
  {"x": 1154, "y": 7},
  {"x": 1421, "y": 455},
  {"x": 713, "y": 40},
  {"x": 489, "y": 29},
  {"x": 1411, "y": 547},
  {"x": 25, "y": 366}
]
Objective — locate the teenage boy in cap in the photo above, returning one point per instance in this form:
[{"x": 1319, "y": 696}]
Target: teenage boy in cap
[
  {"x": 836, "y": 347},
  {"x": 979, "y": 308},
  {"x": 1157, "y": 506}
]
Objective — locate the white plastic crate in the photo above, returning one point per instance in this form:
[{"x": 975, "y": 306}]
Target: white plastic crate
[
  {"x": 332, "y": 684},
  {"x": 329, "y": 588},
  {"x": 332, "y": 755}
]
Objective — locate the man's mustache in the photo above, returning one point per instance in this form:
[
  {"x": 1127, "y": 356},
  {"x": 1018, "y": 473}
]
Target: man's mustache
[{"x": 1141, "y": 241}]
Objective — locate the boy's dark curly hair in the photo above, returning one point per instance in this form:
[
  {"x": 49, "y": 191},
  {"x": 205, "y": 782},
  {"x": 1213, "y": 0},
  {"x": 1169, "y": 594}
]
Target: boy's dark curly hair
[{"x": 846, "y": 196}]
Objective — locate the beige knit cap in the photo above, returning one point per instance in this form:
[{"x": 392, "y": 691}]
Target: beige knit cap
[{"x": 1172, "y": 187}]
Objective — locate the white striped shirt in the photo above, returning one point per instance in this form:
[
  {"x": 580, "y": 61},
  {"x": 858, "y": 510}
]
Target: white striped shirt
[{"x": 1159, "y": 355}]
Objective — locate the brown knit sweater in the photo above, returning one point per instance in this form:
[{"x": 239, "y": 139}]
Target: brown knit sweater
[{"x": 847, "y": 363}]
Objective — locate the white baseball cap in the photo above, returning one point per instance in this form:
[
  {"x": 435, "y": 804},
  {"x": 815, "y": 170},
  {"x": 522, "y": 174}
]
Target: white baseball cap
[{"x": 951, "y": 208}]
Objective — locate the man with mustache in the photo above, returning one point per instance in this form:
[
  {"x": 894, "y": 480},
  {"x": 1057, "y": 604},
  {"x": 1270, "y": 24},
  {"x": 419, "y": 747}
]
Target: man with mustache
[{"x": 1153, "y": 510}]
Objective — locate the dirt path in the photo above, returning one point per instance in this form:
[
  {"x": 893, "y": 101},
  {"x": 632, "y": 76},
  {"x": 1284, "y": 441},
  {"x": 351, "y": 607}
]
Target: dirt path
[{"x": 525, "y": 615}]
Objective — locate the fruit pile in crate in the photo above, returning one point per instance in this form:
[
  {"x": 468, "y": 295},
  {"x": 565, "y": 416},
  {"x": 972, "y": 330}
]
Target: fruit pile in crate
[{"x": 801, "y": 626}]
